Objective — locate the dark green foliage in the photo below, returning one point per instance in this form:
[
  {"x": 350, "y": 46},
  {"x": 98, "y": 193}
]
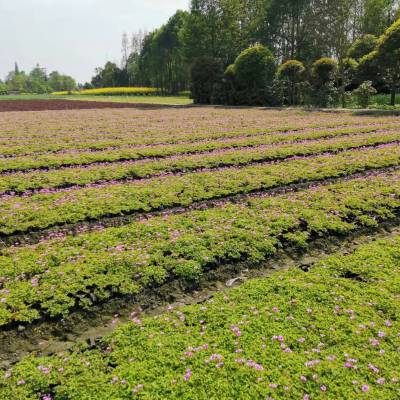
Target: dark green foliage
[
  {"x": 205, "y": 73},
  {"x": 292, "y": 73},
  {"x": 388, "y": 57},
  {"x": 323, "y": 92},
  {"x": 324, "y": 69},
  {"x": 109, "y": 76}
]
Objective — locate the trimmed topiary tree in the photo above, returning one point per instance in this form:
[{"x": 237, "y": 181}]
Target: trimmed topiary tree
[
  {"x": 323, "y": 90},
  {"x": 324, "y": 70},
  {"x": 292, "y": 72},
  {"x": 255, "y": 68}
]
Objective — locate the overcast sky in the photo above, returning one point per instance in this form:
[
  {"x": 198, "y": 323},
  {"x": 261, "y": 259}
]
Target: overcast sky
[{"x": 73, "y": 36}]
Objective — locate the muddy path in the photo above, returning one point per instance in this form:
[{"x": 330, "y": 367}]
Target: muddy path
[{"x": 87, "y": 328}]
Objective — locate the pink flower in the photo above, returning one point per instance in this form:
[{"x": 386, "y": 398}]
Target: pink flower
[
  {"x": 380, "y": 381},
  {"x": 303, "y": 378},
  {"x": 188, "y": 375},
  {"x": 365, "y": 388},
  {"x": 301, "y": 340},
  {"x": 137, "y": 388},
  {"x": 373, "y": 368},
  {"x": 236, "y": 330},
  {"x": 275, "y": 310},
  {"x": 306, "y": 397},
  {"x": 215, "y": 357},
  {"x": 381, "y": 334},
  {"x": 311, "y": 363},
  {"x": 273, "y": 385},
  {"x": 323, "y": 388}
]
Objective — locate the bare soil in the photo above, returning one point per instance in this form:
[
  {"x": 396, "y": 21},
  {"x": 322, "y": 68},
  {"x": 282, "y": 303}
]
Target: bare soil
[{"x": 45, "y": 105}]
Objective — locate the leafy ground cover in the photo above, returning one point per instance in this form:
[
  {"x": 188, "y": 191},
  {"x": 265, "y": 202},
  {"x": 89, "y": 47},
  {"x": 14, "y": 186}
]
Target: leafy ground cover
[
  {"x": 43, "y": 210},
  {"x": 183, "y": 162},
  {"x": 247, "y": 183},
  {"x": 55, "y": 276},
  {"x": 27, "y": 133},
  {"x": 329, "y": 333},
  {"x": 84, "y": 157}
]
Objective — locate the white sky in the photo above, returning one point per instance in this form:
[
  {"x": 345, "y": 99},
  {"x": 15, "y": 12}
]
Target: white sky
[{"x": 73, "y": 36}]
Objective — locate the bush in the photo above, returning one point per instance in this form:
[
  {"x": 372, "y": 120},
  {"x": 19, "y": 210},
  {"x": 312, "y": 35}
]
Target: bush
[
  {"x": 324, "y": 70},
  {"x": 363, "y": 94},
  {"x": 254, "y": 68},
  {"x": 323, "y": 92},
  {"x": 292, "y": 74},
  {"x": 205, "y": 73}
]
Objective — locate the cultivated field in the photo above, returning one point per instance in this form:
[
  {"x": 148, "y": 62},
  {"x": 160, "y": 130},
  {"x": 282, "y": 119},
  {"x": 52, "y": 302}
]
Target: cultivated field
[{"x": 102, "y": 210}]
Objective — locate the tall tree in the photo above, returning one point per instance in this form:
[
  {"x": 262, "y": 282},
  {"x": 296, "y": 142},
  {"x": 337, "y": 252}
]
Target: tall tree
[{"x": 388, "y": 57}]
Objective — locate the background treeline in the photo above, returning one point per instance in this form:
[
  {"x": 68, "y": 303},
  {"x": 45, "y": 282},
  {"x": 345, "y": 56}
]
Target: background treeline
[
  {"x": 199, "y": 50},
  {"x": 36, "y": 81}
]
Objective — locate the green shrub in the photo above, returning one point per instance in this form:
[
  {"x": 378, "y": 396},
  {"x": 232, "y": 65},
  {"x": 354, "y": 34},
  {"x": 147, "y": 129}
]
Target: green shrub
[
  {"x": 363, "y": 94},
  {"x": 324, "y": 70},
  {"x": 255, "y": 68},
  {"x": 323, "y": 92},
  {"x": 292, "y": 73}
]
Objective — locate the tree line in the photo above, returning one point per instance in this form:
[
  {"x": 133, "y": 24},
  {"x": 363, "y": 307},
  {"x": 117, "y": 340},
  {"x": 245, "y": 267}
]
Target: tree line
[{"x": 36, "y": 81}]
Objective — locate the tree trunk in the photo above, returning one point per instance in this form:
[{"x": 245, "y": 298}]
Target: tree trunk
[{"x": 342, "y": 88}]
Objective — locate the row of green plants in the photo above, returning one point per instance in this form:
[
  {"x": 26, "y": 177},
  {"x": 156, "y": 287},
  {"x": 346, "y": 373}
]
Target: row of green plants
[
  {"x": 293, "y": 335},
  {"x": 371, "y": 63},
  {"x": 231, "y": 140},
  {"x": 56, "y": 276},
  {"x": 37, "y": 143},
  {"x": 44, "y": 210},
  {"x": 113, "y": 91},
  {"x": 18, "y": 183}
]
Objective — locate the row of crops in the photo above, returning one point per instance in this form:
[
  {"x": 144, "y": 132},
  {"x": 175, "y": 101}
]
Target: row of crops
[
  {"x": 295, "y": 335},
  {"x": 113, "y": 91},
  {"x": 103, "y": 209},
  {"x": 126, "y": 165},
  {"x": 116, "y": 261},
  {"x": 112, "y": 198}
]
